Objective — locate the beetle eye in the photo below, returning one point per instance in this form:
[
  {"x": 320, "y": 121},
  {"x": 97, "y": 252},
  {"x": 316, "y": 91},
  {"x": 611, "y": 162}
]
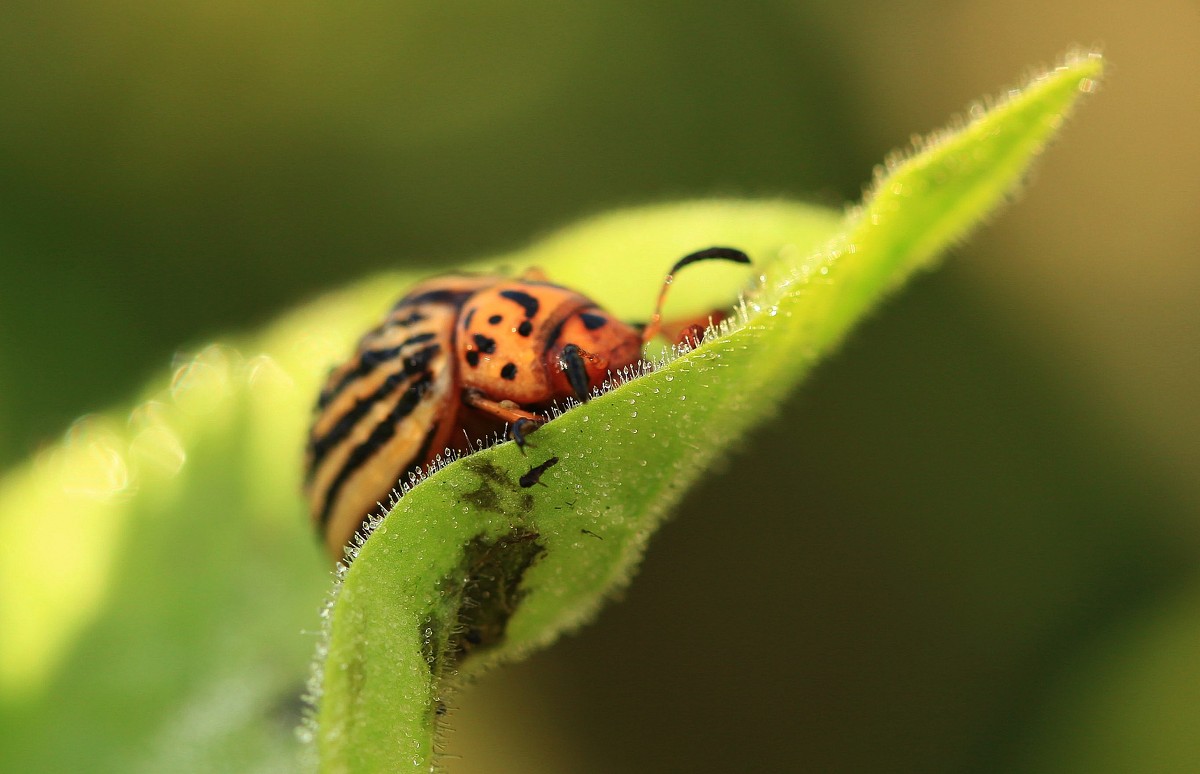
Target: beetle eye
[{"x": 577, "y": 376}]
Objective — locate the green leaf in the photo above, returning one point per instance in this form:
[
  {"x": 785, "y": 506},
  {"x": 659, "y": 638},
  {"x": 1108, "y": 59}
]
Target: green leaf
[{"x": 471, "y": 568}]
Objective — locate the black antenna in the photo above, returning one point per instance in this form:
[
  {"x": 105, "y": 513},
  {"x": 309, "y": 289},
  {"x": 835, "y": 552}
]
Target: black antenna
[{"x": 709, "y": 253}]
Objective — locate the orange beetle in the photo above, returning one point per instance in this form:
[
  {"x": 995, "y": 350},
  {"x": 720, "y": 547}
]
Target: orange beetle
[{"x": 459, "y": 357}]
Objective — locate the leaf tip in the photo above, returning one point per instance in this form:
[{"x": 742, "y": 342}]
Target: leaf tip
[
  {"x": 1084, "y": 66},
  {"x": 1090, "y": 63}
]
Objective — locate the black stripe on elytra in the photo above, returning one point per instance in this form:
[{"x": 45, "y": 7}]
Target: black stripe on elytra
[
  {"x": 440, "y": 296},
  {"x": 417, "y": 363},
  {"x": 418, "y": 460},
  {"x": 380, "y": 435},
  {"x": 367, "y": 363},
  {"x": 526, "y": 301},
  {"x": 486, "y": 345},
  {"x": 467, "y": 320},
  {"x": 409, "y": 319},
  {"x": 592, "y": 321}
]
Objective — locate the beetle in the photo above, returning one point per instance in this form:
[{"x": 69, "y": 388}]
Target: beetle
[{"x": 459, "y": 357}]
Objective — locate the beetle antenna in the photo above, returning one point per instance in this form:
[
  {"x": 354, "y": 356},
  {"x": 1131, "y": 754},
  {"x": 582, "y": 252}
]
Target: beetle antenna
[{"x": 723, "y": 253}]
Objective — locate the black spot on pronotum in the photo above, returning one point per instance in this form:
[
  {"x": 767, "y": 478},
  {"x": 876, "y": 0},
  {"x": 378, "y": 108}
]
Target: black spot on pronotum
[
  {"x": 472, "y": 358},
  {"x": 526, "y": 301},
  {"x": 509, "y": 371},
  {"x": 495, "y": 319},
  {"x": 525, "y": 328},
  {"x": 534, "y": 476},
  {"x": 592, "y": 321},
  {"x": 486, "y": 345}
]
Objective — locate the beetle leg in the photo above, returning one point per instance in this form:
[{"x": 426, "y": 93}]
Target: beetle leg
[
  {"x": 520, "y": 422},
  {"x": 518, "y": 430},
  {"x": 691, "y": 331}
]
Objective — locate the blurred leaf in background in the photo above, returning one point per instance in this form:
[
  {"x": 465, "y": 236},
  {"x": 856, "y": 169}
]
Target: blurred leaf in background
[
  {"x": 984, "y": 510},
  {"x": 173, "y": 170}
]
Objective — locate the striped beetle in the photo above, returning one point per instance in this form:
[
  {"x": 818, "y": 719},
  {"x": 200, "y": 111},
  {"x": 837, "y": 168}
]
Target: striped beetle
[{"x": 459, "y": 357}]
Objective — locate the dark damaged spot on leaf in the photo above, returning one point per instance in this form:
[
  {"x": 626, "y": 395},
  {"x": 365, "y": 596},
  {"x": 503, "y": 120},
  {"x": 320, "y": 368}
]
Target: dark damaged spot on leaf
[
  {"x": 496, "y": 491},
  {"x": 494, "y": 570}
]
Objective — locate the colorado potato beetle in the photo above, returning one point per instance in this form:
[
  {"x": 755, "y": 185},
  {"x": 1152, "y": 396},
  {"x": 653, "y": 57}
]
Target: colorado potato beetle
[{"x": 459, "y": 357}]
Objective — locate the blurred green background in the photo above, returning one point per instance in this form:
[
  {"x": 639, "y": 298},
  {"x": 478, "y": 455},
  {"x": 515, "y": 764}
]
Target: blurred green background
[{"x": 970, "y": 544}]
